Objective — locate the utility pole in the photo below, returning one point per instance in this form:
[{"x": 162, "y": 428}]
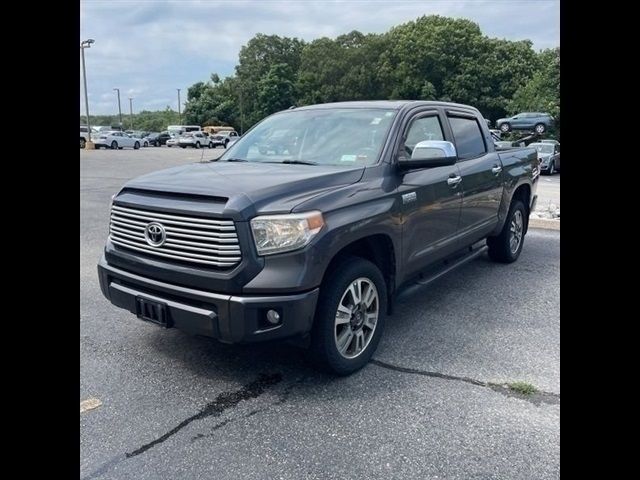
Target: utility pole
[
  {"x": 179, "y": 114},
  {"x": 131, "y": 111},
  {"x": 89, "y": 145},
  {"x": 119, "y": 109}
]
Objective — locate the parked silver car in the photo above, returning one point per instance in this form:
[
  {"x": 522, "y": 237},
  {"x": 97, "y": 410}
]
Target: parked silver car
[
  {"x": 548, "y": 155},
  {"x": 116, "y": 140},
  {"x": 223, "y": 138}
]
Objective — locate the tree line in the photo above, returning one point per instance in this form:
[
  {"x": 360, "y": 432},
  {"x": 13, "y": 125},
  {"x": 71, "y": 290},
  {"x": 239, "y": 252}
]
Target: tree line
[
  {"x": 145, "y": 120},
  {"x": 431, "y": 58}
]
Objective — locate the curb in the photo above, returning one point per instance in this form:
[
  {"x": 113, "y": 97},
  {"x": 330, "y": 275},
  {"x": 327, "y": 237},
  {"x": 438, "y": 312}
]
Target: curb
[{"x": 544, "y": 223}]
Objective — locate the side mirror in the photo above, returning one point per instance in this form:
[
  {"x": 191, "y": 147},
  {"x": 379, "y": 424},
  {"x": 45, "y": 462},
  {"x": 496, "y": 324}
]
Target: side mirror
[{"x": 430, "y": 153}]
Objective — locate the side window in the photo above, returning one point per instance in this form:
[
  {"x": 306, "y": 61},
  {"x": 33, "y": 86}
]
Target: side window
[
  {"x": 468, "y": 137},
  {"x": 421, "y": 129}
]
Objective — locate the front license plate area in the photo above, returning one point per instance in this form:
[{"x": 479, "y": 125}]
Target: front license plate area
[{"x": 154, "y": 312}]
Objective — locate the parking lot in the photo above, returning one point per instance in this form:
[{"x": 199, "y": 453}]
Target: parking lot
[{"x": 430, "y": 405}]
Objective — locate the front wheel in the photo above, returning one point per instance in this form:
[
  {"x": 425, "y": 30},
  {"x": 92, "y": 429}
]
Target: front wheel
[
  {"x": 136, "y": 145},
  {"x": 146, "y": 144},
  {"x": 197, "y": 144},
  {"x": 114, "y": 145},
  {"x": 226, "y": 142},
  {"x": 540, "y": 128},
  {"x": 505, "y": 127},
  {"x": 350, "y": 317},
  {"x": 507, "y": 245},
  {"x": 83, "y": 142},
  {"x": 210, "y": 145}
]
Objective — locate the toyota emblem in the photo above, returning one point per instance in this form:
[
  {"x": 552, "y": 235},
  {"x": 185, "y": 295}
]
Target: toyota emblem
[{"x": 154, "y": 234}]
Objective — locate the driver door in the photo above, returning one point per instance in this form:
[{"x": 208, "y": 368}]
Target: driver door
[{"x": 431, "y": 199}]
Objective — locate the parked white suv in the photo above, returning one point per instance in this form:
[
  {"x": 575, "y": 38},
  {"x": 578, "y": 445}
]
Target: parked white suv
[
  {"x": 223, "y": 138},
  {"x": 195, "y": 140}
]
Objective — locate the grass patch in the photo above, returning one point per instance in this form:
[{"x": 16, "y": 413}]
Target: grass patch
[{"x": 523, "y": 388}]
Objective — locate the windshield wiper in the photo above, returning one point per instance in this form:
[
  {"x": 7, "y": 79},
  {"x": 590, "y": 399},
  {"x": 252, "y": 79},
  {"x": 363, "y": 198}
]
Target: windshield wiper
[
  {"x": 297, "y": 162},
  {"x": 235, "y": 160}
]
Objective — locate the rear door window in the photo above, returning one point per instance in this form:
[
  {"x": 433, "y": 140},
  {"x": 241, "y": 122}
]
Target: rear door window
[{"x": 468, "y": 137}]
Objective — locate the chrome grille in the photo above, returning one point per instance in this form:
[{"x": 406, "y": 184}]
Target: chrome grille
[{"x": 189, "y": 239}]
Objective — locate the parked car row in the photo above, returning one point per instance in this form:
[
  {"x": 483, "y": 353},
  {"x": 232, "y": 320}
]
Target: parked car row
[{"x": 176, "y": 135}]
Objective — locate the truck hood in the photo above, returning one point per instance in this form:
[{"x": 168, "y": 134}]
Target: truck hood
[{"x": 241, "y": 190}]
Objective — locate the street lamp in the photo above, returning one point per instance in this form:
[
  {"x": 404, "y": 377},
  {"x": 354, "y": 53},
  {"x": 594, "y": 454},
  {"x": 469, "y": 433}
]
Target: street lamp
[
  {"x": 89, "y": 145},
  {"x": 131, "y": 111},
  {"x": 179, "y": 114},
  {"x": 119, "y": 109}
]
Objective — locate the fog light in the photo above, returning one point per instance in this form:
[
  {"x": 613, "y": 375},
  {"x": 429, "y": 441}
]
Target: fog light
[{"x": 273, "y": 317}]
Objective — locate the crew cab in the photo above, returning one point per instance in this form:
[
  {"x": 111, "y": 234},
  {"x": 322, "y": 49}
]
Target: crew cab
[{"x": 312, "y": 241}]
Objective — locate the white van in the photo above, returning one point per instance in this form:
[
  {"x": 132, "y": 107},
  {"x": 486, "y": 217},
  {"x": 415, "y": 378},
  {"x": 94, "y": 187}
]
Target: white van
[{"x": 180, "y": 129}]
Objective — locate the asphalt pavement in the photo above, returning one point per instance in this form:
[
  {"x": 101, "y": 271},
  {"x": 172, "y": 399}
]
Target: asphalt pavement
[{"x": 176, "y": 406}]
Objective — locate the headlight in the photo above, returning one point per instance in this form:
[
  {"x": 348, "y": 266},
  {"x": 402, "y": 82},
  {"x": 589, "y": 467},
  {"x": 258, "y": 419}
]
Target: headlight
[{"x": 283, "y": 233}]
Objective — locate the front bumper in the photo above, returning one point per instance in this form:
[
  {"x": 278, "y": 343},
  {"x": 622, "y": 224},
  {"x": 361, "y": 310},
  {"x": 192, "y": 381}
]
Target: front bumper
[{"x": 228, "y": 318}]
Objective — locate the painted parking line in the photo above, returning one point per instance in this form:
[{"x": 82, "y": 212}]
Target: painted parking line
[{"x": 89, "y": 404}]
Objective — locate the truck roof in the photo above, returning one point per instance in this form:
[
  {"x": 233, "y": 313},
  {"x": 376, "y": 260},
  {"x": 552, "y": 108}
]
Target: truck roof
[{"x": 388, "y": 104}]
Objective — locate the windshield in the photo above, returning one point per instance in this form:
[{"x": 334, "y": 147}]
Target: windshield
[
  {"x": 337, "y": 136},
  {"x": 543, "y": 148}
]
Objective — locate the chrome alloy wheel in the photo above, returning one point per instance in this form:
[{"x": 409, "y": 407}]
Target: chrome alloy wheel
[
  {"x": 517, "y": 227},
  {"x": 356, "y": 317}
]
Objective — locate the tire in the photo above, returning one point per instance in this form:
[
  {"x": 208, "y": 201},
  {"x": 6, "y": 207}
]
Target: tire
[
  {"x": 226, "y": 142},
  {"x": 505, "y": 127},
  {"x": 136, "y": 145},
  {"x": 552, "y": 168},
  {"x": 501, "y": 247},
  {"x": 183, "y": 146},
  {"x": 326, "y": 333},
  {"x": 114, "y": 145},
  {"x": 197, "y": 144},
  {"x": 210, "y": 144},
  {"x": 83, "y": 142},
  {"x": 540, "y": 128},
  {"x": 146, "y": 144}
]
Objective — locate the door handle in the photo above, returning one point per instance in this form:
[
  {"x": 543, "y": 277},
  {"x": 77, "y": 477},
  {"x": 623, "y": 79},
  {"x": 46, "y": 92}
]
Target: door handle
[
  {"x": 496, "y": 169},
  {"x": 454, "y": 181}
]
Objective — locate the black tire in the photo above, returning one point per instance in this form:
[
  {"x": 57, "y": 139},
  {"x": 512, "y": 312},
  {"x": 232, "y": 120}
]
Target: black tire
[
  {"x": 136, "y": 145},
  {"x": 540, "y": 128},
  {"x": 226, "y": 142},
  {"x": 197, "y": 144},
  {"x": 83, "y": 142},
  {"x": 114, "y": 145},
  {"x": 505, "y": 127},
  {"x": 500, "y": 246},
  {"x": 183, "y": 146},
  {"x": 146, "y": 144},
  {"x": 210, "y": 144},
  {"x": 323, "y": 350}
]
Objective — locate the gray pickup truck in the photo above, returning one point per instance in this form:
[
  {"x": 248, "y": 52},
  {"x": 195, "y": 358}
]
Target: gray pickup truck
[{"x": 312, "y": 241}]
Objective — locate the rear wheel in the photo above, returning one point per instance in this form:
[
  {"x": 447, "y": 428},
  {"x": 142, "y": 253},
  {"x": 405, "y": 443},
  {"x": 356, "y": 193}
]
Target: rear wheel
[
  {"x": 226, "y": 142},
  {"x": 540, "y": 128},
  {"x": 136, "y": 145},
  {"x": 505, "y": 127},
  {"x": 114, "y": 145},
  {"x": 350, "y": 317},
  {"x": 507, "y": 245},
  {"x": 83, "y": 142},
  {"x": 210, "y": 144},
  {"x": 146, "y": 144},
  {"x": 197, "y": 144}
]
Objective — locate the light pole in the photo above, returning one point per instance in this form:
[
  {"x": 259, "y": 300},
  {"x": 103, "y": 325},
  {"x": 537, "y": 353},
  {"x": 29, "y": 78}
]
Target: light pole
[
  {"x": 179, "y": 114},
  {"x": 119, "y": 109},
  {"x": 131, "y": 111},
  {"x": 89, "y": 145}
]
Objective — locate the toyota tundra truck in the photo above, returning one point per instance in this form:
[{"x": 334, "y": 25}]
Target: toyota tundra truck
[{"x": 312, "y": 241}]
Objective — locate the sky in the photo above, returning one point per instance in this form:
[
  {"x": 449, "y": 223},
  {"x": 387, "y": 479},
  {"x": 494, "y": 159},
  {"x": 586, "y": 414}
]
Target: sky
[{"x": 150, "y": 48}]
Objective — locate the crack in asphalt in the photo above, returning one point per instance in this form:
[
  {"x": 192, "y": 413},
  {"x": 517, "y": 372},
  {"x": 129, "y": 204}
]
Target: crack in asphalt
[
  {"x": 217, "y": 407},
  {"x": 222, "y": 402},
  {"x": 536, "y": 398},
  {"x": 284, "y": 396}
]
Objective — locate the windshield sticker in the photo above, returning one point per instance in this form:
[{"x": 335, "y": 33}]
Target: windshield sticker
[
  {"x": 348, "y": 158},
  {"x": 376, "y": 121}
]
